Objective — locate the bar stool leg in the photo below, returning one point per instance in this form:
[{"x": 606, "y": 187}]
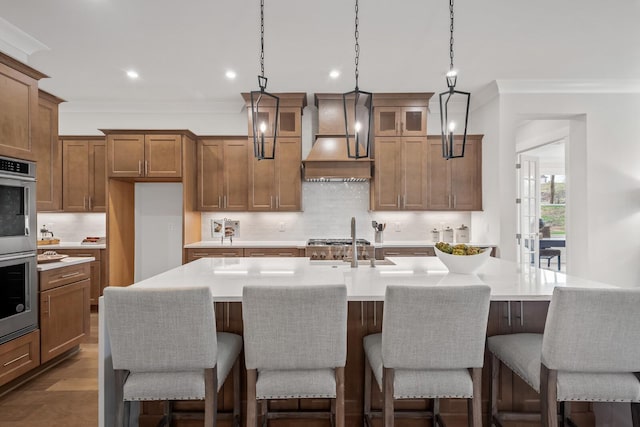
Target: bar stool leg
[
  {"x": 339, "y": 414},
  {"x": 252, "y": 403},
  {"x": 495, "y": 379},
  {"x": 549, "y": 396}
]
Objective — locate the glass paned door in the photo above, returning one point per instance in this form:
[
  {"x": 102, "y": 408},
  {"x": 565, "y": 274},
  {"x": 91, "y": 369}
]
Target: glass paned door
[{"x": 528, "y": 215}]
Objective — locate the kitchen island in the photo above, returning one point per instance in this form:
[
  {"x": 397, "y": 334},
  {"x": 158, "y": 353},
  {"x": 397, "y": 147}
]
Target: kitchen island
[{"x": 519, "y": 294}]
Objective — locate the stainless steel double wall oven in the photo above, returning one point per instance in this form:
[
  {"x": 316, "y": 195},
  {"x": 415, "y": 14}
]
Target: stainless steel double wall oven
[{"x": 18, "y": 276}]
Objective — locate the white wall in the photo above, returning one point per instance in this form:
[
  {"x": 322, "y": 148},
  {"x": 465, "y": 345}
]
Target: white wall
[{"x": 603, "y": 179}]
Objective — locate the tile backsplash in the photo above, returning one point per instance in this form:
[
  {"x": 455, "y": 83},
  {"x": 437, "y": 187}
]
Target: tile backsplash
[
  {"x": 73, "y": 227},
  {"x": 327, "y": 211}
]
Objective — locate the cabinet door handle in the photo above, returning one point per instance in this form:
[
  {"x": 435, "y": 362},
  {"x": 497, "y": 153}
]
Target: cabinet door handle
[
  {"x": 375, "y": 313},
  {"x": 270, "y": 202},
  {"x": 449, "y": 199},
  {"x": 277, "y": 202},
  {"x": 84, "y": 202},
  {"x": 146, "y": 168},
  {"x": 362, "y": 313},
  {"x": 16, "y": 359},
  {"x": 220, "y": 201},
  {"x": 509, "y": 313},
  {"x": 48, "y": 306},
  {"x": 224, "y": 201},
  {"x": 454, "y": 200},
  {"x": 227, "y": 313},
  {"x": 139, "y": 167},
  {"x": 89, "y": 202}
]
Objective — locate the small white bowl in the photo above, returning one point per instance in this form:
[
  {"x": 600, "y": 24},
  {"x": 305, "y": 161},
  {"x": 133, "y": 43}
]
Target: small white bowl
[{"x": 463, "y": 264}]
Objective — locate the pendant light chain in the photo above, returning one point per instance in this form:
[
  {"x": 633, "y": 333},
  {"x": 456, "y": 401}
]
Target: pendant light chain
[
  {"x": 451, "y": 39},
  {"x": 262, "y": 37},
  {"x": 357, "y": 34}
]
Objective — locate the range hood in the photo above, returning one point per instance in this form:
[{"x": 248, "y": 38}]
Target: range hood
[{"x": 328, "y": 161}]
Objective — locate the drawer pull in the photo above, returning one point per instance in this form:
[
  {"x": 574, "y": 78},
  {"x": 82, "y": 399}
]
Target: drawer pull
[
  {"x": 230, "y": 254},
  {"x": 256, "y": 254},
  {"x": 201, "y": 254},
  {"x": 75, "y": 273},
  {"x": 16, "y": 359},
  {"x": 421, "y": 253},
  {"x": 284, "y": 254},
  {"x": 392, "y": 253}
]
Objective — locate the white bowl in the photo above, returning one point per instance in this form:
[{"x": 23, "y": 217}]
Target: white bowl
[{"x": 463, "y": 264}]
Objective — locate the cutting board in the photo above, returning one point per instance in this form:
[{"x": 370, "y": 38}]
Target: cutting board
[
  {"x": 42, "y": 259},
  {"x": 48, "y": 242}
]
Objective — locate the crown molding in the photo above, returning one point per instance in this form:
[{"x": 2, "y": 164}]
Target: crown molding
[
  {"x": 16, "y": 43},
  {"x": 154, "y": 107},
  {"x": 577, "y": 86}
]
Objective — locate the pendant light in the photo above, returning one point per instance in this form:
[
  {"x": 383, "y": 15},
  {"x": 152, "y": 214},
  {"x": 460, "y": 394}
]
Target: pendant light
[
  {"x": 447, "y": 124},
  {"x": 262, "y": 104},
  {"x": 357, "y": 107}
]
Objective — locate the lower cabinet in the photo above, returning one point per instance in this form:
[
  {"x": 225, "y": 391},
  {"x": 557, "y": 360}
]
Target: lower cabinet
[
  {"x": 98, "y": 269},
  {"x": 193, "y": 254},
  {"x": 64, "y": 309},
  {"x": 381, "y": 253},
  {"x": 19, "y": 356}
]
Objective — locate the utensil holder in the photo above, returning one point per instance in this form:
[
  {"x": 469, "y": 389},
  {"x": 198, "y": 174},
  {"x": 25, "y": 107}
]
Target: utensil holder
[{"x": 378, "y": 238}]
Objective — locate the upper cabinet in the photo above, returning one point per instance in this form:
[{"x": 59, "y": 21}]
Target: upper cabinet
[
  {"x": 18, "y": 108},
  {"x": 83, "y": 174},
  {"x": 147, "y": 154},
  {"x": 223, "y": 173},
  {"x": 400, "y": 151},
  {"x": 48, "y": 154},
  {"x": 276, "y": 185},
  {"x": 400, "y": 121},
  {"x": 455, "y": 184}
]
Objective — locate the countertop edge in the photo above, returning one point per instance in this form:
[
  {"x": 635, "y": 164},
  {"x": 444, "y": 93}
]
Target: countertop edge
[{"x": 64, "y": 263}]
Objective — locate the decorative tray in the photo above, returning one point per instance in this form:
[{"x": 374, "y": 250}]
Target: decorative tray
[{"x": 50, "y": 258}]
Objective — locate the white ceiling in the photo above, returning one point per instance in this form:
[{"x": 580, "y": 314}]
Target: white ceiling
[{"x": 183, "y": 48}]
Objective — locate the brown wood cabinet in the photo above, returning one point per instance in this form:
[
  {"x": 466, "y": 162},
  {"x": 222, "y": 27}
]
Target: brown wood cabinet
[
  {"x": 18, "y": 108},
  {"x": 64, "y": 309},
  {"x": 276, "y": 185},
  {"x": 47, "y": 149},
  {"x": 83, "y": 174},
  {"x": 193, "y": 254},
  {"x": 19, "y": 356},
  {"x": 400, "y": 174},
  {"x": 273, "y": 252},
  {"x": 455, "y": 184},
  {"x": 400, "y": 151},
  {"x": 381, "y": 253},
  {"x": 149, "y": 155},
  {"x": 223, "y": 173},
  {"x": 98, "y": 268}
]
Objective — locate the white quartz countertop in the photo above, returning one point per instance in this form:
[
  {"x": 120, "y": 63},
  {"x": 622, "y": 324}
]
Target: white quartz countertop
[
  {"x": 73, "y": 245},
  {"x": 303, "y": 243},
  {"x": 227, "y": 276},
  {"x": 65, "y": 262}
]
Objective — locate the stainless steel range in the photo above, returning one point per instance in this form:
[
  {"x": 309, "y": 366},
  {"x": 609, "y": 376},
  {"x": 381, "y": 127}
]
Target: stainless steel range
[{"x": 340, "y": 249}]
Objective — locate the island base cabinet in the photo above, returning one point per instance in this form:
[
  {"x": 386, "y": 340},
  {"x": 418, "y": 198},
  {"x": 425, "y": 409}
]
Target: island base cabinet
[
  {"x": 64, "y": 318},
  {"x": 366, "y": 318}
]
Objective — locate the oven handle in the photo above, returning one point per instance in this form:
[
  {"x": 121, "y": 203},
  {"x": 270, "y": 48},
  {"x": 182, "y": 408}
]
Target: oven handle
[
  {"x": 17, "y": 178},
  {"x": 17, "y": 256}
]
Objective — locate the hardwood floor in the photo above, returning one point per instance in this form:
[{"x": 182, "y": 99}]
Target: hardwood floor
[{"x": 65, "y": 395}]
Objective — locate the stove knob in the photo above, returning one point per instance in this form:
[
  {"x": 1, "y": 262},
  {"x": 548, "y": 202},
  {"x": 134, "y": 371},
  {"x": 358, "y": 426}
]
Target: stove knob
[
  {"x": 323, "y": 255},
  {"x": 314, "y": 255}
]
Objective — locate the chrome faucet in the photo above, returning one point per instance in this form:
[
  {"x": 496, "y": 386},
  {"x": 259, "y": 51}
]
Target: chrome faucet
[{"x": 354, "y": 254}]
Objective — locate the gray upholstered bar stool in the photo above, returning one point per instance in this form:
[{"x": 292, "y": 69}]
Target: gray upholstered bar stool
[
  {"x": 165, "y": 347},
  {"x": 431, "y": 347},
  {"x": 295, "y": 347},
  {"x": 589, "y": 352}
]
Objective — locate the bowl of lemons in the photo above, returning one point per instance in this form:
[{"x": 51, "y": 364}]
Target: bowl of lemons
[{"x": 461, "y": 258}]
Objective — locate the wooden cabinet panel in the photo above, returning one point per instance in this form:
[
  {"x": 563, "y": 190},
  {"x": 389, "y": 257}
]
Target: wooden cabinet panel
[
  {"x": 413, "y": 192},
  {"x": 57, "y": 277},
  {"x": 331, "y": 114},
  {"x": 223, "y": 174},
  {"x": 400, "y": 121},
  {"x": 97, "y": 269},
  {"x": 272, "y": 252},
  {"x": 18, "y": 108},
  {"x": 290, "y": 122},
  {"x": 381, "y": 253},
  {"x": 455, "y": 184},
  {"x": 125, "y": 155},
  {"x": 388, "y": 174},
  {"x": 47, "y": 150},
  {"x": 276, "y": 185},
  {"x": 97, "y": 176},
  {"x": 64, "y": 318},
  {"x": 19, "y": 356},
  {"x": 194, "y": 254},
  {"x": 83, "y": 175},
  {"x": 163, "y": 156}
]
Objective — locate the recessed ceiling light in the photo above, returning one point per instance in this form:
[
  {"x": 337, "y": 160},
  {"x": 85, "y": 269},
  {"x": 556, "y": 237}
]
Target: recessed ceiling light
[
  {"x": 132, "y": 74},
  {"x": 231, "y": 75},
  {"x": 334, "y": 74}
]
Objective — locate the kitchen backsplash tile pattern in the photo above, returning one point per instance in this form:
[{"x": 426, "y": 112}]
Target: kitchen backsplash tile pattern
[
  {"x": 73, "y": 227},
  {"x": 327, "y": 211}
]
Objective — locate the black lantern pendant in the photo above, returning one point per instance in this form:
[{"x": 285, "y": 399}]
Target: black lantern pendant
[
  {"x": 448, "y": 126},
  {"x": 358, "y": 111},
  {"x": 262, "y": 105}
]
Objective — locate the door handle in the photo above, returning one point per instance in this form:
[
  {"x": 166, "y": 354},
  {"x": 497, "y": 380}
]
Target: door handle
[
  {"x": 146, "y": 168},
  {"x": 139, "y": 167},
  {"x": 90, "y": 203}
]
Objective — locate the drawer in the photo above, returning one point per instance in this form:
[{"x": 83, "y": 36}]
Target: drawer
[
  {"x": 408, "y": 251},
  {"x": 194, "y": 254},
  {"x": 96, "y": 253},
  {"x": 50, "y": 279},
  {"x": 274, "y": 252},
  {"x": 19, "y": 356}
]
